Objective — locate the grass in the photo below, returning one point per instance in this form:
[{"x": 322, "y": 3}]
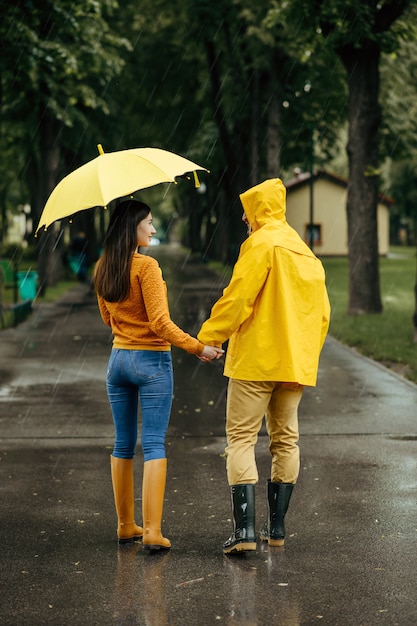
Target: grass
[
  {"x": 57, "y": 291},
  {"x": 385, "y": 337}
]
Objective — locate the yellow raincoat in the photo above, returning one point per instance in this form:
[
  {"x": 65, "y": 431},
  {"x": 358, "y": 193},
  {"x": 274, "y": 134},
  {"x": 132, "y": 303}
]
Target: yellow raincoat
[{"x": 275, "y": 311}]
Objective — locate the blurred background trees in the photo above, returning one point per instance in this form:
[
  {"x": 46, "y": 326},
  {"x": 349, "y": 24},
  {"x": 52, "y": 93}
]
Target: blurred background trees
[{"x": 249, "y": 90}]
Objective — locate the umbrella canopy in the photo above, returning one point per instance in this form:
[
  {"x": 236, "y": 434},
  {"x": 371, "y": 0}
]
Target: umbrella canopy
[{"x": 113, "y": 175}]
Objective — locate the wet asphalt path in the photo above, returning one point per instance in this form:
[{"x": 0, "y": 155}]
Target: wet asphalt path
[{"x": 350, "y": 556}]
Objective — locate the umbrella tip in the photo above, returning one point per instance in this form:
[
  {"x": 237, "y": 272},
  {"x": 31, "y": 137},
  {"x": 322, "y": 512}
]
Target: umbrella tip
[
  {"x": 196, "y": 181},
  {"x": 100, "y": 148}
]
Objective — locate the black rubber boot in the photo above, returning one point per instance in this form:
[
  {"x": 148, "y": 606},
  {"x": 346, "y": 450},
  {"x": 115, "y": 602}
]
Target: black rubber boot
[
  {"x": 243, "y": 506},
  {"x": 279, "y": 496}
]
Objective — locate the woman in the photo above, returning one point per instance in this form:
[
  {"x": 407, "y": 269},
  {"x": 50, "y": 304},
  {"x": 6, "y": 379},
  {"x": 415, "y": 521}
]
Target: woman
[{"x": 132, "y": 300}]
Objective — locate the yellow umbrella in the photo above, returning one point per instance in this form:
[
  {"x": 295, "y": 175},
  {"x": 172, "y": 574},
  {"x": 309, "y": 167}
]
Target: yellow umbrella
[{"x": 113, "y": 175}]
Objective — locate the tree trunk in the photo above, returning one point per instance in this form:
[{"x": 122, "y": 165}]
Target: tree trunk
[
  {"x": 193, "y": 216},
  {"x": 362, "y": 67},
  {"x": 229, "y": 225}
]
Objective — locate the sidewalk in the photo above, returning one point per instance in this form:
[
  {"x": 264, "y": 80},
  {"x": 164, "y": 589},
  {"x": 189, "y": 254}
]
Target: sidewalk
[{"x": 350, "y": 555}]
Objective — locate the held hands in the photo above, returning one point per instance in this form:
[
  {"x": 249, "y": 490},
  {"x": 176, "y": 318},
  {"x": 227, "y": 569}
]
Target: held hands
[{"x": 209, "y": 353}]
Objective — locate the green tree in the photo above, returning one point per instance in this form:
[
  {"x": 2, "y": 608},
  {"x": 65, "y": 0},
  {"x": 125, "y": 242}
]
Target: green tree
[
  {"x": 158, "y": 100},
  {"x": 359, "y": 32},
  {"x": 399, "y": 129},
  {"x": 255, "y": 67},
  {"x": 56, "y": 61},
  {"x": 226, "y": 85},
  {"x": 399, "y": 135}
]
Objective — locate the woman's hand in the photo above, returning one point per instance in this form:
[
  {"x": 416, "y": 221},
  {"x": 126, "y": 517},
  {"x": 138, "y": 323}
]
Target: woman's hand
[{"x": 210, "y": 352}]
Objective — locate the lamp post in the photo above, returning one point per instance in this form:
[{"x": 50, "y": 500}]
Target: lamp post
[
  {"x": 311, "y": 164},
  {"x": 307, "y": 90}
]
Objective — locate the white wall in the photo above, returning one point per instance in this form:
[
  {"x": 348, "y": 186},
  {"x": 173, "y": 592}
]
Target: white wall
[{"x": 330, "y": 212}]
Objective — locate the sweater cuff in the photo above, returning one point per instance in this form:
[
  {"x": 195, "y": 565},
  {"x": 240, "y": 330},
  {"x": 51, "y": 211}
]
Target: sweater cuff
[{"x": 200, "y": 348}]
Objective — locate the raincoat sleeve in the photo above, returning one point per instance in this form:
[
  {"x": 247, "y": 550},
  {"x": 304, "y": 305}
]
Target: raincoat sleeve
[{"x": 238, "y": 299}]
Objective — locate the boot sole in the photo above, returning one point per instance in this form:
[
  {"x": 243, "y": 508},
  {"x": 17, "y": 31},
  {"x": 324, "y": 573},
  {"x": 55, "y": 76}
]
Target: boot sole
[
  {"x": 240, "y": 547},
  {"x": 124, "y": 540},
  {"x": 152, "y": 546},
  {"x": 276, "y": 543}
]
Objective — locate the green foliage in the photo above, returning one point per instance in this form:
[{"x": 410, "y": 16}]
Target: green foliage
[
  {"x": 59, "y": 51},
  {"x": 399, "y": 128},
  {"x": 354, "y": 23},
  {"x": 57, "y": 58},
  {"x": 129, "y": 74}
]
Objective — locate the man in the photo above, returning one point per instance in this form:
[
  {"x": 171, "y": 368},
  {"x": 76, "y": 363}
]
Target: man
[{"x": 275, "y": 313}]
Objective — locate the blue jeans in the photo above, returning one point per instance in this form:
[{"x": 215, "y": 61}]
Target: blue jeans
[{"x": 145, "y": 375}]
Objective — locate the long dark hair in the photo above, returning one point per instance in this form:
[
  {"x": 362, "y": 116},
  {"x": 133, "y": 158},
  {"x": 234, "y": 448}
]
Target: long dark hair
[{"x": 112, "y": 273}]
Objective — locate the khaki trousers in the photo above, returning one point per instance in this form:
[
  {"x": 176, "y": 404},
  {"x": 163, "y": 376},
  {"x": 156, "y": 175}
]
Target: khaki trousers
[{"x": 248, "y": 402}]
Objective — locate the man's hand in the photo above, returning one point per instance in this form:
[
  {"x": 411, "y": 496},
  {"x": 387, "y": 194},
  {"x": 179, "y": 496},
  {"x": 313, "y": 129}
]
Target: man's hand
[{"x": 209, "y": 353}]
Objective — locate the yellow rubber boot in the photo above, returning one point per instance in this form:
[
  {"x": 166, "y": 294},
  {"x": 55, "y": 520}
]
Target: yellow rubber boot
[
  {"x": 122, "y": 479},
  {"x": 153, "y": 492}
]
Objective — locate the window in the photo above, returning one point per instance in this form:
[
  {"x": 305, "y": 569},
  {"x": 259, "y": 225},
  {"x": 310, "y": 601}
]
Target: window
[{"x": 314, "y": 231}]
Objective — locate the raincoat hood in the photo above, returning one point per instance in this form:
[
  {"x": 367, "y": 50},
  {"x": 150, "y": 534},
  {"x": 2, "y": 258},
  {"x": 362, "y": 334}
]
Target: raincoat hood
[{"x": 265, "y": 203}]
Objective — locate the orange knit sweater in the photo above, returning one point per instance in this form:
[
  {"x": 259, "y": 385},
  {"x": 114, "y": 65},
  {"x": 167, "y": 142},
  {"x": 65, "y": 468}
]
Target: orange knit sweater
[{"x": 142, "y": 321}]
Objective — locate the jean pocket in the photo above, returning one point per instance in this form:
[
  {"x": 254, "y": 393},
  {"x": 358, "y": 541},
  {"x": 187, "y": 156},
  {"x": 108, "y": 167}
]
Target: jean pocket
[{"x": 147, "y": 363}]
